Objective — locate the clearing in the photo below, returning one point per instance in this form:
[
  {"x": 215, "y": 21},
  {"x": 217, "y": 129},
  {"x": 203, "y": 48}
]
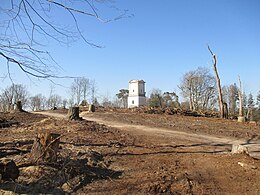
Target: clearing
[{"x": 116, "y": 152}]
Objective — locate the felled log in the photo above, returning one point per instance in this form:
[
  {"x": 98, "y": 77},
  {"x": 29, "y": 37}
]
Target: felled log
[
  {"x": 8, "y": 169},
  {"x": 45, "y": 147},
  {"x": 73, "y": 113}
]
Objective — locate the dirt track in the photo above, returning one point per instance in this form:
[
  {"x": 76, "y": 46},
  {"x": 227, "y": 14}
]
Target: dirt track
[{"x": 218, "y": 142}]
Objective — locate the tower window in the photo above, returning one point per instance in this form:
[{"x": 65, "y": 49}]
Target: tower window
[
  {"x": 133, "y": 90},
  {"x": 133, "y": 102}
]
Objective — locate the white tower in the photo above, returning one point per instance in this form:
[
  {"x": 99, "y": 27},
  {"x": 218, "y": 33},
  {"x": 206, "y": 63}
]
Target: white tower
[{"x": 136, "y": 95}]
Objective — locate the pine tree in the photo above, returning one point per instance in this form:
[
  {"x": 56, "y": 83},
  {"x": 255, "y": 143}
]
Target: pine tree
[
  {"x": 250, "y": 104},
  {"x": 258, "y": 100},
  {"x": 250, "y": 101}
]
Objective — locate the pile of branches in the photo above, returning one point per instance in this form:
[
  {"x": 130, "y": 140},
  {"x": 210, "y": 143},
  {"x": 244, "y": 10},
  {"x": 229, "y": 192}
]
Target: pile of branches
[
  {"x": 174, "y": 111},
  {"x": 4, "y": 123},
  {"x": 168, "y": 111}
]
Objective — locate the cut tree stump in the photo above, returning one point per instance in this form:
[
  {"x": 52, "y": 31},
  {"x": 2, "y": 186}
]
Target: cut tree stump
[
  {"x": 73, "y": 113},
  {"x": 91, "y": 108},
  {"x": 45, "y": 147},
  {"x": 239, "y": 149},
  {"x": 18, "y": 107},
  {"x": 8, "y": 169},
  {"x": 241, "y": 119}
]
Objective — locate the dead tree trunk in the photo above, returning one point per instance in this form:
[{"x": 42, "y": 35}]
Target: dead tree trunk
[
  {"x": 190, "y": 95},
  {"x": 73, "y": 113},
  {"x": 240, "y": 98},
  {"x": 220, "y": 97},
  {"x": 45, "y": 147},
  {"x": 241, "y": 118}
]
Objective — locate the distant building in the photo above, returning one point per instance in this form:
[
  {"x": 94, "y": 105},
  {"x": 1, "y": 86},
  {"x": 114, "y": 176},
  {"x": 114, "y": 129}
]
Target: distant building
[{"x": 136, "y": 95}]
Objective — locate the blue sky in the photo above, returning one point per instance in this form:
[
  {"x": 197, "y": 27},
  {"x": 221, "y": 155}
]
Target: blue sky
[{"x": 163, "y": 40}]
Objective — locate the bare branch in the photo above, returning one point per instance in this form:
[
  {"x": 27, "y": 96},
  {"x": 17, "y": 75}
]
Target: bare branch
[
  {"x": 38, "y": 73},
  {"x": 27, "y": 24},
  {"x": 210, "y": 51},
  {"x": 75, "y": 20},
  {"x": 72, "y": 9}
]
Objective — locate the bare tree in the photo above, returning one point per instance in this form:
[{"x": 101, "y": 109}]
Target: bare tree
[
  {"x": 106, "y": 102},
  {"x": 11, "y": 95},
  {"x": 71, "y": 101},
  {"x": 37, "y": 102},
  {"x": 76, "y": 90},
  {"x": 93, "y": 92},
  {"x": 54, "y": 101},
  {"x": 220, "y": 96},
  {"x": 64, "y": 103},
  {"x": 85, "y": 84},
  {"x": 199, "y": 87},
  {"x": 230, "y": 95},
  {"x": 26, "y": 26},
  {"x": 80, "y": 89},
  {"x": 186, "y": 87}
]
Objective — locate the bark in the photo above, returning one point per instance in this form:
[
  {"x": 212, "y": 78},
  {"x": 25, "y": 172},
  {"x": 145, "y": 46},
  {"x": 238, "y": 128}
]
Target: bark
[
  {"x": 220, "y": 96},
  {"x": 73, "y": 113},
  {"x": 45, "y": 147}
]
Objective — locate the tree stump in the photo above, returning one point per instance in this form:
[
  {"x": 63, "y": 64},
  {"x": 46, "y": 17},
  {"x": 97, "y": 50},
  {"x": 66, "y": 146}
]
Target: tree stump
[
  {"x": 45, "y": 147},
  {"x": 241, "y": 119},
  {"x": 8, "y": 169},
  {"x": 91, "y": 108},
  {"x": 18, "y": 107},
  {"x": 73, "y": 113},
  {"x": 239, "y": 149}
]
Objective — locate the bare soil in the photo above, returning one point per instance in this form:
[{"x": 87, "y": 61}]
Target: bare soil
[{"x": 133, "y": 153}]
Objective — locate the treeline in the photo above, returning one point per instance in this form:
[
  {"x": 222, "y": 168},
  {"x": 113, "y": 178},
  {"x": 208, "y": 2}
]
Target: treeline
[
  {"x": 197, "y": 88},
  {"x": 80, "y": 90},
  {"x": 17, "y": 92},
  {"x": 199, "y": 91}
]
